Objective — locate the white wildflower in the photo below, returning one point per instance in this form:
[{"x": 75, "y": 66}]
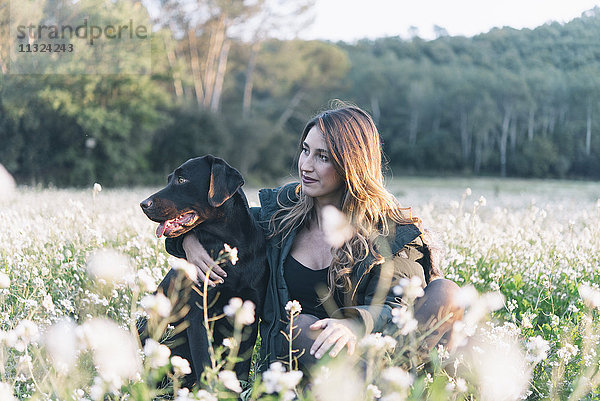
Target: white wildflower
[
  {"x": 461, "y": 385},
  {"x": 501, "y": 371},
  {"x": 336, "y": 227},
  {"x": 245, "y": 315},
  {"x": 590, "y": 295},
  {"x": 377, "y": 341},
  {"x": 466, "y": 296},
  {"x": 527, "y": 320},
  {"x": 567, "y": 352},
  {"x": 409, "y": 289},
  {"x": 27, "y": 331},
  {"x": 230, "y": 380},
  {"x": 6, "y": 392},
  {"x": 493, "y": 300},
  {"x": 468, "y": 192},
  {"x": 442, "y": 353},
  {"x": 537, "y": 349},
  {"x": 110, "y": 265},
  {"x": 180, "y": 365},
  {"x": 482, "y": 201},
  {"x": 232, "y": 254},
  {"x": 229, "y": 342},
  {"x": 157, "y": 355},
  {"x": 4, "y": 280},
  {"x": 24, "y": 365},
  {"x": 403, "y": 318},
  {"x": 146, "y": 281},
  {"x": 243, "y": 312},
  {"x": 183, "y": 394},
  {"x": 97, "y": 390},
  {"x": 114, "y": 350},
  {"x": 203, "y": 395},
  {"x": 277, "y": 380},
  {"x": 373, "y": 392},
  {"x": 48, "y": 304},
  {"x": 398, "y": 377},
  {"x": 61, "y": 343},
  {"x": 234, "y": 305},
  {"x": 293, "y": 307},
  {"x": 184, "y": 266},
  {"x": 156, "y": 305}
]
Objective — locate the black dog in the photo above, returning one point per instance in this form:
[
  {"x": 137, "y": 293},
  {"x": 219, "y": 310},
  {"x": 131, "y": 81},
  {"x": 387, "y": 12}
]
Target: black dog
[{"x": 204, "y": 196}]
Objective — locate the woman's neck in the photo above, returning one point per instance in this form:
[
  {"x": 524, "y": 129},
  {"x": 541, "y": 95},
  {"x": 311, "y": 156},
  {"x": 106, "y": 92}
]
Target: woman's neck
[{"x": 321, "y": 202}]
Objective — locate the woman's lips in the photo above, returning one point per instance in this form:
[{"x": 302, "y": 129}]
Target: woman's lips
[{"x": 307, "y": 180}]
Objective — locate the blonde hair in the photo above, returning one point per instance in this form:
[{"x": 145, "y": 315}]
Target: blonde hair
[{"x": 356, "y": 154}]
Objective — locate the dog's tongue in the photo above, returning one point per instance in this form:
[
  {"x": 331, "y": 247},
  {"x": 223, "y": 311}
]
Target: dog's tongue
[{"x": 160, "y": 230}]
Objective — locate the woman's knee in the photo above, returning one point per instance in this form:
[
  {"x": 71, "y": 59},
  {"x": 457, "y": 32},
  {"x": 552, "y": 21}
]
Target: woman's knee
[
  {"x": 438, "y": 310},
  {"x": 302, "y": 324},
  {"x": 439, "y": 302}
]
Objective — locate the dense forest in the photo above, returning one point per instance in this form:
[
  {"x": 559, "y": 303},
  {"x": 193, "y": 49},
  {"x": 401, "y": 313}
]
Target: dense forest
[{"x": 504, "y": 103}]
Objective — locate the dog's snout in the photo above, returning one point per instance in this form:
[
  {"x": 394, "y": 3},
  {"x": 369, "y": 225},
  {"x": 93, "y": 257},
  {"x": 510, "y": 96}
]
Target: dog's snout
[{"x": 146, "y": 204}]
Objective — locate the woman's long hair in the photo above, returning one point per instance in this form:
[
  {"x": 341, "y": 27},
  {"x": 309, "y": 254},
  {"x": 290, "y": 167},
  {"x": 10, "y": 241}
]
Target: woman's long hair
[{"x": 355, "y": 151}]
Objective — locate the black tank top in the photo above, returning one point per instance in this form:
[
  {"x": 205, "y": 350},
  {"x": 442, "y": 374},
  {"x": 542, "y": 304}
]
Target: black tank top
[{"x": 302, "y": 283}]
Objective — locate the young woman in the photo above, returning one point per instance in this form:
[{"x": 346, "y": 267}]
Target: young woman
[{"x": 340, "y": 289}]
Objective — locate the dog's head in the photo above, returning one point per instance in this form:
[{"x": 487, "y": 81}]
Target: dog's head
[{"x": 194, "y": 193}]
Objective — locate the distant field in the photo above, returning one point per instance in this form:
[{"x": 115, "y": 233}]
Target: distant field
[{"x": 536, "y": 242}]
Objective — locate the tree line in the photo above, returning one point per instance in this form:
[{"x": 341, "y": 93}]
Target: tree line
[{"x": 505, "y": 103}]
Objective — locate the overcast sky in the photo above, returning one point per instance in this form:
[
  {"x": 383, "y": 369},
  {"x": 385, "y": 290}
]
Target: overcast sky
[{"x": 349, "y": 20}]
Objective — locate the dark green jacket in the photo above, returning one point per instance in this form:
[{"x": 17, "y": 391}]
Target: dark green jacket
[{"x": 374, "y": 315}]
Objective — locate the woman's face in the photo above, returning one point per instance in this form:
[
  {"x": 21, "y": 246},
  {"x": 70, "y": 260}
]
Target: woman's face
[{"x": 318, "y": 176}]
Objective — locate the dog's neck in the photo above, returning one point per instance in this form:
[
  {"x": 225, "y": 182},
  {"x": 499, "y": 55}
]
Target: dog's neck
[{"x": 234, "y": 220}]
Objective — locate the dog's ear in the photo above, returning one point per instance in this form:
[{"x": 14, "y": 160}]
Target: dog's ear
[{"x": 224, "y": 182}]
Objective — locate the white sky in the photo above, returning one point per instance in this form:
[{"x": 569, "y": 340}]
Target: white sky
[{"x": 349, "y": 20}]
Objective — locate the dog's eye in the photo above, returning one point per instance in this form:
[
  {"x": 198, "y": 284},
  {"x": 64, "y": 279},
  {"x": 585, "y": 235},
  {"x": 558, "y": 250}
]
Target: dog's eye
[{"x": 181, "y": 180}]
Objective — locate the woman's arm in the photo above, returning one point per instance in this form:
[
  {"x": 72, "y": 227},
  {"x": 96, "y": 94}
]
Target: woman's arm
[
  {"x": 375, "y": 292},
  {"x": 188, "y": 247}
]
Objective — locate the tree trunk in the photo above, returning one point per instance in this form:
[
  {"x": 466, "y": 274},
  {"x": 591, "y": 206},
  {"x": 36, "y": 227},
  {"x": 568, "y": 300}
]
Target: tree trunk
[
  {"x": 172, "y": 58},
  {"x": 478, "y": 154},
  {"x": 504, "y": 139},
  {"x": 375, "y": 108},
  {"x": 195, "y": 64},
  {"x": 513, "y": 135},
  {"x": 530, "y": 124},
  {"x": 413, "y": 127},
  {"x": 465, "y": 138},
  {"x": 248, "y": 86},
  {"x": 217, "y": 40},
  {"x": 216, "y": 98},
  {"x": 552, "y": 122},
  {"x": 588, "y": 132},
  {"x": 289, "y": 111}
]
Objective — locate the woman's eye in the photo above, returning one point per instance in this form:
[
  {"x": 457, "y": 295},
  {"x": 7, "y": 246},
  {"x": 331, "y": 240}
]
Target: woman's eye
[
  {"x": 324, "y": 158},
  {"x": 305, "y": 151}
]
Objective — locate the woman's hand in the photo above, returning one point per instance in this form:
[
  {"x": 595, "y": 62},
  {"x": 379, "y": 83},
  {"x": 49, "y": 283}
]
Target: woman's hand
[
  {"x": 197, "y": 255},
  {"x": 336, "y": 333}
]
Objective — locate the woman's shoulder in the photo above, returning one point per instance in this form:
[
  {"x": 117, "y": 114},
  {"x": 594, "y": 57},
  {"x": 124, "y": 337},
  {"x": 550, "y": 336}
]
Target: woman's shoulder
[
  {"x": 272, "y": 199},
  {"x": 403, "y": 234}
]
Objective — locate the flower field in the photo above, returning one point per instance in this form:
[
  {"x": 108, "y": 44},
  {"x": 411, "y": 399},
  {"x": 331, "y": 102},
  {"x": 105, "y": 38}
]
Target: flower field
[{"x": 76, "y": 268}]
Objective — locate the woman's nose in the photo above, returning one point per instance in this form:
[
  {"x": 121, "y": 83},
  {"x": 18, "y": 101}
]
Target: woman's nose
[{"x": 306, "y": 164}]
